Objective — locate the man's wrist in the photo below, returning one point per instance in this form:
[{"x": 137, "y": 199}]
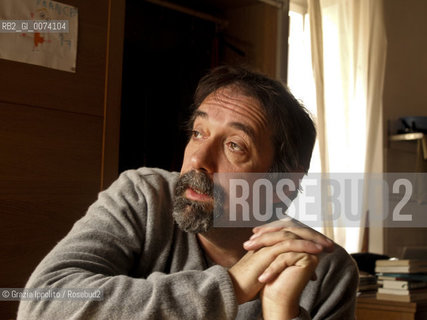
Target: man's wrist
[{"x": 280, "y": 312}]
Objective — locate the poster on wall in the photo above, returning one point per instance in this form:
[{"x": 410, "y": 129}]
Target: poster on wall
[{"x": 40, "y": 32}]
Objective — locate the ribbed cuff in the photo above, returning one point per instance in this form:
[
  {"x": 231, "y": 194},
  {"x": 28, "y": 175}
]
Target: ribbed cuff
[
  {"x": 303, "y": 315},
  {"x": 227, "y": 289}
]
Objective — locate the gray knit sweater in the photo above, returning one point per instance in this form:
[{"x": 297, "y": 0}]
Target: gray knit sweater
[{"x": 129, "y": 246}]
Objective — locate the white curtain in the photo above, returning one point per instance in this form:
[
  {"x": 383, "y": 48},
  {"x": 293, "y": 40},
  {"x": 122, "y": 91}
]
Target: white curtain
[{"x": 348, "y": 46}]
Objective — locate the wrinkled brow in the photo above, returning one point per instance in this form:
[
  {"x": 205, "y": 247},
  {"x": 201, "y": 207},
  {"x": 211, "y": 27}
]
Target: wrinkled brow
[
  {"x": 197, "y": 113},
  {"x": 243, "y": 127},
  {"x": 236, "y": 125}
]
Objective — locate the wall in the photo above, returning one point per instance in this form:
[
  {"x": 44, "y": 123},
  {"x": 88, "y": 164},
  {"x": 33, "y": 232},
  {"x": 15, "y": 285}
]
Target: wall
[
  {"x": 253, "y": 29},
  {"x": 404, "y": 94},
  {"x": 58, "y": 142}
]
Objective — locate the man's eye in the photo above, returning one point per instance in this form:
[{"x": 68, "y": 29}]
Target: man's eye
[
  {"x": 235, "y": 147},
  {"x": 196, "y": 134}
]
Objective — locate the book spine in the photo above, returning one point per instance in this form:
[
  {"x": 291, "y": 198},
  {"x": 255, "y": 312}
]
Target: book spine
[
  {"x": 402, "y": 276},
  {"x": 392, "y": 297},
  {"x": 400, "y": 292},
  {"x": 396, "y": 284}
]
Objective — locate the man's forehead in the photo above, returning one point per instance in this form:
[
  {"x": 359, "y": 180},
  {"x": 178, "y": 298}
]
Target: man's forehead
[
  {"x": 232, "y": 92},
  {"x": 237, "y": 101},
  {"x": 236, "y": 110}
]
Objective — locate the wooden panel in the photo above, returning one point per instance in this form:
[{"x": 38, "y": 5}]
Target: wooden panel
[
  {"x": 50, "y": 164},
  {"x": 395, "y": 239},
  {"x": 253, "y": 29},
  {"x": 113, "y": 84},
  {"x": 366, "y": 314},
  {"x": 82, "y": 91},
  {"x": 369, "y": 308},
  {"x": 59, "y": 136}
]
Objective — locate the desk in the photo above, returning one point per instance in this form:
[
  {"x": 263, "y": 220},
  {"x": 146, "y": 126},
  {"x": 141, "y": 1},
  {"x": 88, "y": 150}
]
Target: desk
[{"x": 369, "y": 308}]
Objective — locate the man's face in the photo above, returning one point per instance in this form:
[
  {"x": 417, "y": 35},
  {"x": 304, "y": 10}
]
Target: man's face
[{"x": 230, "y": 134}]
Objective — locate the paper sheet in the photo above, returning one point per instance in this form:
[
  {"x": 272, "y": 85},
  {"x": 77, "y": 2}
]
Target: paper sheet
[{"x": 52, "y": 50}]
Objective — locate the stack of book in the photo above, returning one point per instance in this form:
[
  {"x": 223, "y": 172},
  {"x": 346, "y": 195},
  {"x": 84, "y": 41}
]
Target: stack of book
[
  {"x": 367, "y": 283},
  {"x": 402, "y": 280}
]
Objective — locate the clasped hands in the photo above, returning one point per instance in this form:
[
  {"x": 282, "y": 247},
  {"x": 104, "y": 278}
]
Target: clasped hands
[{"x": 281, "y": 259}]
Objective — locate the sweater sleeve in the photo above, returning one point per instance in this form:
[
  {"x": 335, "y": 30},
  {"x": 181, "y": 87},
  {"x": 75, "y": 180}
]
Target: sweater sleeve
[
  {"x": 101, "y": 252},
  {"x": 333, "y": 295}
]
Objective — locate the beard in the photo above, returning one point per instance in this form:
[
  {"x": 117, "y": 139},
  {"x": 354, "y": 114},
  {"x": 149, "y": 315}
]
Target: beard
[{"x": 190, "y": 215}]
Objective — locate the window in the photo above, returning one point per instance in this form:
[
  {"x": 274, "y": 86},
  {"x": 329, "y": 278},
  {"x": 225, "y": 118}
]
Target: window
[{"x": 344, "y": 93}]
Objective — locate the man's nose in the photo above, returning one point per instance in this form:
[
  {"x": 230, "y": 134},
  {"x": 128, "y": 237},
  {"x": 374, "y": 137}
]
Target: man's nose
[{"x": 205, "y": 157}]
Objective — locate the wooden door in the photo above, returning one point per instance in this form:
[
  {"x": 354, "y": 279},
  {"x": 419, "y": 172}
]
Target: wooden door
[{"x": 59, "y": 136}]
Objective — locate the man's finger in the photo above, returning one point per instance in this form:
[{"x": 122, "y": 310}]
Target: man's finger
[
  {"x": 286, "y": 260},
  {"x": 296, "y": 227},
  {"x": 293, "y": 242},
  {"x": 278, "y": 224},
  {"x": 246, "y": 271}
]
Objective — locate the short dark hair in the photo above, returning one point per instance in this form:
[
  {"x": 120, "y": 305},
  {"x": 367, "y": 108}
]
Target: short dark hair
[{"x": 293, "y": 130}]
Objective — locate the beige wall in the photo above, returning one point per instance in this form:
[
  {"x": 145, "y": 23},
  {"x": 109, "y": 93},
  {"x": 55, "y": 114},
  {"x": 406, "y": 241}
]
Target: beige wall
[
  {"x": 406, "y": 67},
  {"x": 405, "y": 93}
]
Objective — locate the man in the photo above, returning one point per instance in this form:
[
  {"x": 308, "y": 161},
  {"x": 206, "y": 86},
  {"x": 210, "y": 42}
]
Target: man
[{"x": 148, "y": 241}]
